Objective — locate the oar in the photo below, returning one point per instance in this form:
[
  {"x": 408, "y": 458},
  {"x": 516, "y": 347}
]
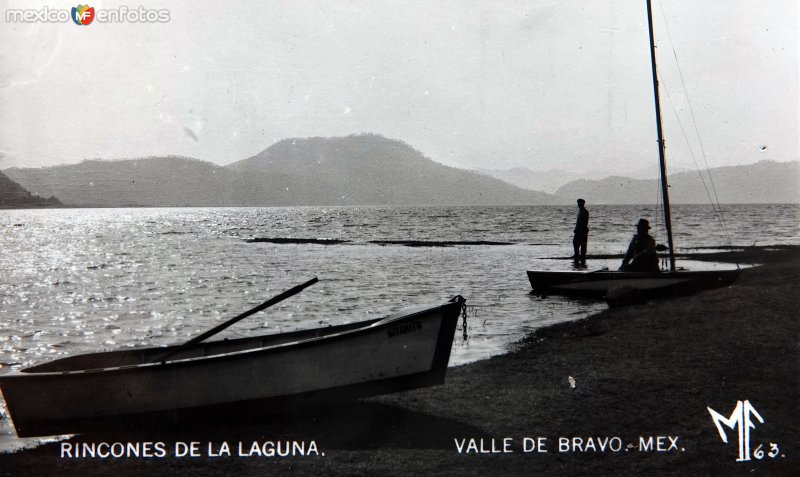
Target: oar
[{"x": 218, "y": 328}]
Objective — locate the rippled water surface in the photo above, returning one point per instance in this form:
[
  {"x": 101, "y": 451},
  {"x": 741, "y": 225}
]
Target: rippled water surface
[{"x": 86, "y": 280}]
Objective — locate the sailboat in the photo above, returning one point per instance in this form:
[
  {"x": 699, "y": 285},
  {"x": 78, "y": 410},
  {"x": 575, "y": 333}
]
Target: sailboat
[{"x": 643, "y": 284}]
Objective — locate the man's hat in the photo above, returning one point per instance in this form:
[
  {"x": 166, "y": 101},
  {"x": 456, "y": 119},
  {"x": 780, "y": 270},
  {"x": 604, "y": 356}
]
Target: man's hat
[
  {"x": 643, "y": 223},
  {"x": 581, "y": 201}
]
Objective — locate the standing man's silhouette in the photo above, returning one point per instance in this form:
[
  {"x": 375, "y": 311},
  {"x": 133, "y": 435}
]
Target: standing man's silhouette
[{"x": 581, "y": 233}]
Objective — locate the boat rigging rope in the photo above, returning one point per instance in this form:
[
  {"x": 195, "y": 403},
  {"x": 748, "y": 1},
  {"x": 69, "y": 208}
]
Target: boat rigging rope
[
  {"x": 715, "y": 203},
  {"x": 716, "y": 206}
]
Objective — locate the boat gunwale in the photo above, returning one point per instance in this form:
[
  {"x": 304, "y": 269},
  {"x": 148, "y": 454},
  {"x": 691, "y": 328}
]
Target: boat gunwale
[
  {"x": 659, "y": 274},
  {"x": 561, "y": 282},
  {"x": 375, "y": 324},
  {"x": 571, "y": 277}
]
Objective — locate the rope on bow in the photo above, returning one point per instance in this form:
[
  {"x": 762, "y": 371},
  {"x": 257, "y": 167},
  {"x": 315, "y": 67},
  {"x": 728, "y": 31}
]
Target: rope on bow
[{"x": 463, "y": 302}]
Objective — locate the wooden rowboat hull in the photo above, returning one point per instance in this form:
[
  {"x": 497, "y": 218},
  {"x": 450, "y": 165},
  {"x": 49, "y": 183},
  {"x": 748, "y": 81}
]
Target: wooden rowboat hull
[{"x": 407, "y": 350}]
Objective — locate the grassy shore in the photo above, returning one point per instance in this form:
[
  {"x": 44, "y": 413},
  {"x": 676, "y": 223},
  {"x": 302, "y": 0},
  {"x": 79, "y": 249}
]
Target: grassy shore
[{"x": 630, "y": 373}]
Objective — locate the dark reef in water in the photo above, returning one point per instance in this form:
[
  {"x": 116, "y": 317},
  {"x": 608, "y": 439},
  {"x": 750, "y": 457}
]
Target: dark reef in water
[
  {"x": 436, "y": 243},
  {"x": 407, "y": 243},
  {"x": 323, "y": 241}
]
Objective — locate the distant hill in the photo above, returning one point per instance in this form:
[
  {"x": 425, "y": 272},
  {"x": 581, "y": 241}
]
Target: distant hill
[
  {"x": 354, "y": 170},
  {"x": 154, "y": 181},
  {"x": 762, "y": 182},
  {"x": 370, "y": 169},
  {"x": 14, "y": 196},
  {"x": 551, "y": 180}
]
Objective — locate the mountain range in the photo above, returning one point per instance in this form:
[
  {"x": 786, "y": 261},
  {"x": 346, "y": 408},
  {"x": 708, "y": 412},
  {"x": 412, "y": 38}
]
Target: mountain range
[
  {"x": 765, "y": 182},
  {"x": 550, "y": 180},
  {"x": 369, "y": 169},
  {"x": 364, "y": 169}
]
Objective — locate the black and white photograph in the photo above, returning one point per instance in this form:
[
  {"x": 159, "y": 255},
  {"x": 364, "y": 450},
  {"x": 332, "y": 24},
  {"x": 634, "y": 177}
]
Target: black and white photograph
[{"x": 358, "y": 238}]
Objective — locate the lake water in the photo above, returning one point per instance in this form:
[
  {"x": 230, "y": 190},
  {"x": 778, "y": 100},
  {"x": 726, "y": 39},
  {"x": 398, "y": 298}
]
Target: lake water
[{"x": 87, "y": 280}]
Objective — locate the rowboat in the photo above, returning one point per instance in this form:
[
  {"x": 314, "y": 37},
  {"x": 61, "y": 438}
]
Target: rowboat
[
  {"x": 624, "y": 284},
  {"x": 406, "y": 350}
]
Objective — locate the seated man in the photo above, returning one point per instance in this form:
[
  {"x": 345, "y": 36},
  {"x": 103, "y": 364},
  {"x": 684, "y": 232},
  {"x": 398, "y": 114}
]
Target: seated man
[{"x": 641, "y": 255}]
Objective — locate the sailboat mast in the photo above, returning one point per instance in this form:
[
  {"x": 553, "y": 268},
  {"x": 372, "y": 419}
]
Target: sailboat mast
[{"x": 661, "y": 145}]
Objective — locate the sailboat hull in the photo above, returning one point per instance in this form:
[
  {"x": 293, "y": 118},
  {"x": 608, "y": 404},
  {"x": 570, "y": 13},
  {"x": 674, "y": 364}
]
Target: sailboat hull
[{"x": 652, "y": 285}]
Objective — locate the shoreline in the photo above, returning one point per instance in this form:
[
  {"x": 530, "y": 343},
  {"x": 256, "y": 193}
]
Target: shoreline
[{"x": 644, "y": 370}]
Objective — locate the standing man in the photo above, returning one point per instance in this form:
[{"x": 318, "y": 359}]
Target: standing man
[{"x": 581, "y": 233}]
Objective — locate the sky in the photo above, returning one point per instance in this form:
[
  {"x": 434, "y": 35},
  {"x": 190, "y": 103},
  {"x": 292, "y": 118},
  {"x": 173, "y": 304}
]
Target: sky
[{"x": 541, "y": 84}]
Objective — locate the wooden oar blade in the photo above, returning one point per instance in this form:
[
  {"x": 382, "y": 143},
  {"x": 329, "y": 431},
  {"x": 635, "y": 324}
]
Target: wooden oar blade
[{"x": 276, "y": 299}]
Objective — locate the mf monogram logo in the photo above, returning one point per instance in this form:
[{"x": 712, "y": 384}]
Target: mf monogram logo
[{"x": 742, "y": 420}]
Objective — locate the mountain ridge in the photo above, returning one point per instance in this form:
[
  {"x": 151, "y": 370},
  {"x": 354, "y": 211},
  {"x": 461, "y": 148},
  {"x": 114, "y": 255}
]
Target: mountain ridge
[
  {"x": 550, "y": 180},
  {"x": 369, "y": 169},
  {"x": 762, "y": 182},
  {"x": 364, "y": 169},
  {"x": 13, "y": 196}
]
